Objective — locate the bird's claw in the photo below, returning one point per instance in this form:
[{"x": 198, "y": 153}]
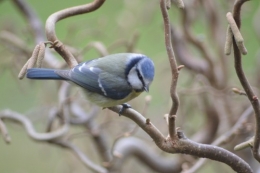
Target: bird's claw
[{"x": 124, "y": 106}]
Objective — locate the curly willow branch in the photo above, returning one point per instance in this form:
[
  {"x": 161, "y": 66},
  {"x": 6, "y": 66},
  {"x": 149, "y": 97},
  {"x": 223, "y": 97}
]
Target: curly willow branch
[
  {"x": 224, "y": 138},
  {"x": 244, "y": 82},
  {"x": 91, "y": 165},
  {"x": 55, "y": 17},
  {"x": 174, "y": 70},
  {"x": 7, "y": 114},
  {"x": 36, "y": 26},
  {"x": 183, "y": 145}
]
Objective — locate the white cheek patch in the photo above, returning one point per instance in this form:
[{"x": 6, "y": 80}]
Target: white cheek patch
[{"x": 134, "y": 80}]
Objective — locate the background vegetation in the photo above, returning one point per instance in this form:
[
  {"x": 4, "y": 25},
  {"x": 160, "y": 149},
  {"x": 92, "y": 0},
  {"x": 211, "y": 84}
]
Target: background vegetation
[{"x": 117, "y": 21}]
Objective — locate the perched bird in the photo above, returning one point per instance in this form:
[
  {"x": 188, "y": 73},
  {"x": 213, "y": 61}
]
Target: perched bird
[{"x": 108, "y": 81}]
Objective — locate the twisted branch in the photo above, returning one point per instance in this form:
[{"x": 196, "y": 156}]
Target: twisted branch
[
  {"x": 55, "y": 17},
  {"x": 182, "y": 144},
  {"x": 131, "y": 146},
  {"x": 92, "y": 166},
  {"x": 244, "y": 82},
  {"x": 11, "y": 115},
  {"x": 224, "y": 138},
  {"x": 174, "y": 70},
  {"x": 37, "y": 29}
]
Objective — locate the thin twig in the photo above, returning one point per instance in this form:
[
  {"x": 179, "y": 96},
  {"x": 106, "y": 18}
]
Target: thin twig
[
  {"x": 184, "y": 56},
  {"x": 37, "y": 29},
  {"x": 65, "y": 13},
  {"x": 186, "y": 24},
  {"x": 129, "y": 45},
  {"x": 184, "y": 145},
  {"x": 224, "y": 138},
  {"x": 246, "y": 144},
  {"x": 15, "y": 42},
  {"x": 8, "y": 114},
  {"x": 139, "y": 119},
  {"x": 238, "y": 91},
  {"x": 134, "y": 147},
  {"x": 244, "y": 82},
  {"x": 32, "y": 19},
  {"x": 174, "y": 69},
  {"x": 81, "y": 117},
  {"x": 99, "y": 46},
  {"x": 4, "y": 132},
  {"x": 213, "y": 13},
  {"x": 136, "y": 127},
  {"x": 97, "y": 133},
  {"x": 91, "y": 165},
  {"x": 62, "y": 112}
]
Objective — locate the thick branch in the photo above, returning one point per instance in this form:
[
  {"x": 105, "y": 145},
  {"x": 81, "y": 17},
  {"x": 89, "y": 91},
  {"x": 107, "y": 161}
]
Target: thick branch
[
  {"x": 142, "y": 122},
  {"x": 215, "y": 153},
  {"x": 185, "y": 146}
]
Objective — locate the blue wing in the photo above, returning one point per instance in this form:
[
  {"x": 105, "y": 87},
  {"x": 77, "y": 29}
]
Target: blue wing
[
  {"x": 97, "y": 80},
  {"x": 115, "y": 87}
]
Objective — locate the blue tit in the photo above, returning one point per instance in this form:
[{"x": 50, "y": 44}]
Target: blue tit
[{"x": 108, "y": 81}]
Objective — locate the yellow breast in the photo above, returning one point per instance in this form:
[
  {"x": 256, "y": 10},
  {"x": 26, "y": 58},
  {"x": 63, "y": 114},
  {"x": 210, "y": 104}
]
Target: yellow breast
[{"x": 107, "y": 102}]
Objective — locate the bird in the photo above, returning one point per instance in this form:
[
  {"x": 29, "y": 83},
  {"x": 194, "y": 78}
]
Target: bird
[{"x": 107, "y": 81}]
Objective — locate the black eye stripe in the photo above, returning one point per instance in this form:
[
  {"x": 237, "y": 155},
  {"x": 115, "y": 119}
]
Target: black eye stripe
[
  {"x": 132, "y": 63},
  {"x": 140, "y": 76}
]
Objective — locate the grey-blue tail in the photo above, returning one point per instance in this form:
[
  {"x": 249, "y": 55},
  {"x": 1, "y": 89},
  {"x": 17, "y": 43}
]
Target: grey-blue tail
[{"x": 42, "y": 73}]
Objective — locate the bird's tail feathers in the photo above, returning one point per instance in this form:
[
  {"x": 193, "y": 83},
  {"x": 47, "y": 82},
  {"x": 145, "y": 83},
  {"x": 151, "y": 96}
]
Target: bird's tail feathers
[{"x": 42, "y": 73}]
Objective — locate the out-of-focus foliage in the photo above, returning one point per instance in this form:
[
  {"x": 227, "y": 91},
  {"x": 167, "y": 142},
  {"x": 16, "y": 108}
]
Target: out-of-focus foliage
[{"x": 115, "y": 21}]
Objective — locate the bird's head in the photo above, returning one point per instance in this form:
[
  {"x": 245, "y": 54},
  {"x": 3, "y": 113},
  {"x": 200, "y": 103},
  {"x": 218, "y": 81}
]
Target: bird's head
[{"x": 140, "y": 72}]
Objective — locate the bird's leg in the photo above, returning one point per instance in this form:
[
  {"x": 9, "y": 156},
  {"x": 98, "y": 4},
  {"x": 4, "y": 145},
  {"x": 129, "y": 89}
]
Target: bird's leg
[{"x": 124, "y": 106}]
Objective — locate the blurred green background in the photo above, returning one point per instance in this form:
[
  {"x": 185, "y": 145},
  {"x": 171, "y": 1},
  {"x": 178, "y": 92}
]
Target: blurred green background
[{"x": 115, "y": 20}]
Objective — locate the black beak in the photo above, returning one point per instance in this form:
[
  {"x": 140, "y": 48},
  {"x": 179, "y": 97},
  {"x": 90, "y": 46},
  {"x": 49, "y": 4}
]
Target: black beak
[{"x": 146, "y": 88}]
